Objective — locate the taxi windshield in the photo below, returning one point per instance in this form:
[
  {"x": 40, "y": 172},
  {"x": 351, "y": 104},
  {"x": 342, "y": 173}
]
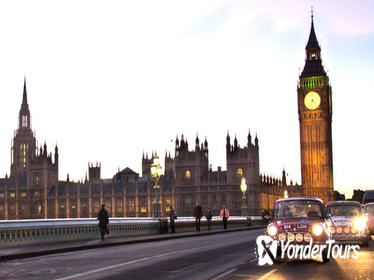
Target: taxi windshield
[
  {"x": 297, "y": 209},
  {"x": 343, "y": 210}
]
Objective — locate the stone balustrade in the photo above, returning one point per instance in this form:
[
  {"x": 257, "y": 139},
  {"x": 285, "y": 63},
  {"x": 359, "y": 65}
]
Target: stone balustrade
[{"x": 24, "y": 232}]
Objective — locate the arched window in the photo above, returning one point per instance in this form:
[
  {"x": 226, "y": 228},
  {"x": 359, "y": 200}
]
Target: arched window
[{"x": 188, "y": 174}]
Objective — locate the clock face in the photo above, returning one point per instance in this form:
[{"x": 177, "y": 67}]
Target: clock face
[{"x": 312, "y": 100}]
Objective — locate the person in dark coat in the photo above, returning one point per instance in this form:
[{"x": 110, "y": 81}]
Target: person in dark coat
[
  {"x": 209, "y": 216},
  {"x": 198, "y": 213},
  {"x": 172, "y": 219},
  {"x": 103, "y": 221}
]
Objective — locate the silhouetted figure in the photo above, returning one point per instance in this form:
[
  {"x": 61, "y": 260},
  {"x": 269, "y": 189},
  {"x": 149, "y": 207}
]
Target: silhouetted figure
[
  {"x": 225, "y": 214},
  {"x": 209, "y": 216},
  {"x": 265, "y": 217},
  {"x": 198, "y": 213},
  {"x": 103, "y": 221},
  {"x": 172, "y": 219}
]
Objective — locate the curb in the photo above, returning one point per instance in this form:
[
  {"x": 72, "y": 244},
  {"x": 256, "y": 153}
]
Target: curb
[{"x": 118, "y": 243}]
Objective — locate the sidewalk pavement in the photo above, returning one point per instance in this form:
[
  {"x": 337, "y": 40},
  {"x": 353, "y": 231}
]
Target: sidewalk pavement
[{"x": 29, "y": 251}]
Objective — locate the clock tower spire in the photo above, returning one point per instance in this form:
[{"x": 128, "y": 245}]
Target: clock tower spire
[{"x": 315, "y": 117}]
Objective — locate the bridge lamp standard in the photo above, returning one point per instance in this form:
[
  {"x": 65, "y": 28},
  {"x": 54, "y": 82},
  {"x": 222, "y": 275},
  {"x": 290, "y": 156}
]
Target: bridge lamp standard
[
  {"x": 156, "y": 172},
  {"x": 285, "y": 195},
  {"x": 243, "y": 188}
]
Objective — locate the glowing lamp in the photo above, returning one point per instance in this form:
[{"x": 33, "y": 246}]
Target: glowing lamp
[
  {"x": 243, "y": 185},
  {"x": 272, "y": 230},
  {"x": 317, "y": 229},
  {"x": 359, "y": 223}
]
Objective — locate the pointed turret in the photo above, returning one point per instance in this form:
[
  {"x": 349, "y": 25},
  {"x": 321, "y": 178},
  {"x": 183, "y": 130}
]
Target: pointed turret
[
  {"x": 176, "y": 141},
  {"x": 228, "y": 142},
  {"x": 313, "y": 63},
  {"x": 56, "y": 154},
  {"x": 249, "y": 139},
  {"x": 312, "y": 41},
  {"x": 284, "y": 180},
  {"x": 45, "y": 149},
  {"x": 197, "y": 141},
  {"x": 256, "y": 141}
]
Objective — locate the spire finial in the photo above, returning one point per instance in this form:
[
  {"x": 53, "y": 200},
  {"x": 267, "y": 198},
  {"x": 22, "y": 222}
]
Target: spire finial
[
  {"x": 24, "y": 97},
  {"x": 312, "y": 12}
]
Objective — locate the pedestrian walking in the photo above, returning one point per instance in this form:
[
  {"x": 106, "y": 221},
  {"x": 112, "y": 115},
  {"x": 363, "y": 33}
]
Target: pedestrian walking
[
  {"x": 209, "y": 216},
  {"x": 225, "y": 214},
  {"x": 103, "y": 221},
  {"x": 172, "y": 219},
  {"x": 198, "y": 213}
]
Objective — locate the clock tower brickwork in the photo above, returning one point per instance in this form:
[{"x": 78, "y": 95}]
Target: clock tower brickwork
[{"x": 315, "y": 116}]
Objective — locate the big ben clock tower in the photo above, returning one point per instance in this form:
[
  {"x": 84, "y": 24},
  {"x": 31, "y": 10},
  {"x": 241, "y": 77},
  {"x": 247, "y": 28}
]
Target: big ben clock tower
[{"x": 315, "y": 115}]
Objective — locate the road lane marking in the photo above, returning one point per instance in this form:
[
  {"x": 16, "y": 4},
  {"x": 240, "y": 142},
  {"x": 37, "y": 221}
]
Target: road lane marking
[
  {"x": 100, "y": 269},
  {"x": 135, "y": 261},
  {"x": 224, "y": 274},
  {"x": 265, "y": 276}
]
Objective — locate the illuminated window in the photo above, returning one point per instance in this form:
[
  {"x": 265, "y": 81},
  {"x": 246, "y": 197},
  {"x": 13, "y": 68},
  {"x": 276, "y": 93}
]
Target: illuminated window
[
  {"x": 23, "y": 194},
  {"x": 73, "y": 206},
  {"x": 143, "y": 210},
  {"x": 167, "y": 209},
  {"x": 12, "y": 195},
  {"x": 1, "y": 195},
  {"x": 188, "y": 174},
  {"x": 239, "y": 171},
  {"x": 62, "y": 206},
  {"x": 22, "y": 152}
]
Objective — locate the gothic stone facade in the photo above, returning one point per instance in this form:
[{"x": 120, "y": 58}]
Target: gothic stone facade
[
  {"x": 196, "y": 182},
  {"x": 33, "y": 191}
]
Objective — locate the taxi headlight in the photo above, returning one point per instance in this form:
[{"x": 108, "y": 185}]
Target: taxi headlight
[
  {"x": 299, "y": 237},
  {"x": 282, "y": 237},
  {"x": 317, "y": 229},
  {"x": 291, "y": 237},
  {"x": 272, "y": 230},
  {"x": 359, "y": 223},
  {"x": 307, "y": 237}
]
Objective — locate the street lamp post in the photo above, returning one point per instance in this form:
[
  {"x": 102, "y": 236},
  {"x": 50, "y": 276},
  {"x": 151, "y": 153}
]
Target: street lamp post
[
  {"x": 285, "y": 195},
  {"x": 156, "y": 172},
  {"x": 243, "y": 187}
]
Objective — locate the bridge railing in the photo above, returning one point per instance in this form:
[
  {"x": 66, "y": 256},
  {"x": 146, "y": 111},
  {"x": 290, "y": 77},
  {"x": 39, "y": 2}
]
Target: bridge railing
[{"x": 26, "y": 232}]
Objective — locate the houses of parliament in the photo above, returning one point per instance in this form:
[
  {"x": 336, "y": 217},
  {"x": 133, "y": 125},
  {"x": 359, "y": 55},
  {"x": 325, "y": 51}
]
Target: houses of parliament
[{"x": 33, "y": 189}]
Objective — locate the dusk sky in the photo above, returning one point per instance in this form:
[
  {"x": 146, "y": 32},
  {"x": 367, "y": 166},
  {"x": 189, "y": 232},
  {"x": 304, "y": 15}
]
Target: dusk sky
[{"x": 108, "y": 80}]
